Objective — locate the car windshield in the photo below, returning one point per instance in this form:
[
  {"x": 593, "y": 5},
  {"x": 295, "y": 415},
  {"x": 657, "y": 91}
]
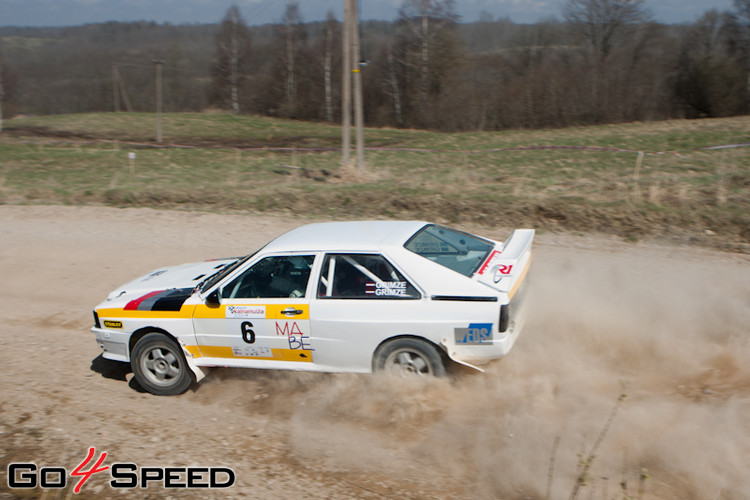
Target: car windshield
[
  {"x": 211, "y": 280},
  {"x": 453, "y": 249}
]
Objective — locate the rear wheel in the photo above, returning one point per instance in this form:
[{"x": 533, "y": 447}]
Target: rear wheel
[
  {"x": 159, "y": 365},
  {"x": 409, "y": 357}
]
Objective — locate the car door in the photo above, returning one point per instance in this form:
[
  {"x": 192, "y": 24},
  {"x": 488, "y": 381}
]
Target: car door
[
  {"x": 263, "y": 316},
  {"x": 361, "y": 300}
]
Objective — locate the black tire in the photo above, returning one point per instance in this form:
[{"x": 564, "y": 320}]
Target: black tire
[
  {"x": 409, "y": 356},
  {"x": 159, "y": 365}
]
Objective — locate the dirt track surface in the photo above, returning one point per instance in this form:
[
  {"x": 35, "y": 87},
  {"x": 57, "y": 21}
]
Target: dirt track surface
[{"x": 667, "y": 327}]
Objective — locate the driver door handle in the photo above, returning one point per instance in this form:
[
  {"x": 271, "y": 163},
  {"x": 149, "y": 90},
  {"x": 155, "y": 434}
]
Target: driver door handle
[{"x": 290, "y": 311}]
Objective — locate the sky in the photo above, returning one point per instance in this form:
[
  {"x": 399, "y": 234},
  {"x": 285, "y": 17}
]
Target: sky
[{"x": 77, "y": 12}]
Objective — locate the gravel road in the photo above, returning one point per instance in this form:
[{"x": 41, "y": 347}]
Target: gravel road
[{"x": 667, "y": 327}]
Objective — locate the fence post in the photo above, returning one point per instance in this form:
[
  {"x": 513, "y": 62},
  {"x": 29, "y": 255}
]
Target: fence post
[{"x": 636, "y": 175}]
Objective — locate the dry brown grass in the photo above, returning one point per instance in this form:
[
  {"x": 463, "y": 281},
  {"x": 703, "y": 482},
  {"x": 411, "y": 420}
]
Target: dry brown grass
[{"x": 672, "y": 188}]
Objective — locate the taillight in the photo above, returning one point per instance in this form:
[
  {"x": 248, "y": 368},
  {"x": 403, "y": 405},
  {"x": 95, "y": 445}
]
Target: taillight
[{"x": 504, "y": 322}]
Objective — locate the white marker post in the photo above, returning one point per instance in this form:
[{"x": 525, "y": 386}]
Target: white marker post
[{"x": 131, "y": 162}]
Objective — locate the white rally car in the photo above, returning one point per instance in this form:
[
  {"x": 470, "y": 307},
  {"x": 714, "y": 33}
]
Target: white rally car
[{"x": 334, "y": 297}]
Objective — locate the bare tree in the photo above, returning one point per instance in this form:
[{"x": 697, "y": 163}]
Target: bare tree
[
  {"x": 427, "y": 35},
  {"x": 331, "y": 34},
  {"x": 393, "y": 89},
  {"x": 710, "y": 78},
  {"x": 294, "y": 36},
  {"x": 602, "y": 23},
  {"x": 232, "y": 51},
  {"x": 743, "y": 15}
]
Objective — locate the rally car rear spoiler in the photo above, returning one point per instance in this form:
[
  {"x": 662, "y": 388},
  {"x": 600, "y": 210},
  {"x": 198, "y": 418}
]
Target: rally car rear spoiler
[{"x": 507, "y": 265}]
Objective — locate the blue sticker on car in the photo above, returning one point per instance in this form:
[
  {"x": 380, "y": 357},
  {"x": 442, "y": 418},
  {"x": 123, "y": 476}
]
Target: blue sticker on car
[{"x": 475, "y": 334}]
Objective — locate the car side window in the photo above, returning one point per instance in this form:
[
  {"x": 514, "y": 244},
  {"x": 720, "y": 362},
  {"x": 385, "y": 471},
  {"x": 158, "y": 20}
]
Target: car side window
[
  {"x": 272, "y": 277},
  {"x": 362, "y": 276}
]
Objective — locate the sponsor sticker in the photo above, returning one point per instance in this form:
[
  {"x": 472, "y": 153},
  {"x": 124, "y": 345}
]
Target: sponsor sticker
[
  {"x": 503, "y": 271},
  {"x": 246, "y": 312},
  {"x": 386, "y": 288},
  {"x": 475, "y": 334},
  {"x": 252, "y": 352},
  {"x": 112, "y": 324},
  {"x": 154, "y": 274},
  {"x": 438, "y": 247}
]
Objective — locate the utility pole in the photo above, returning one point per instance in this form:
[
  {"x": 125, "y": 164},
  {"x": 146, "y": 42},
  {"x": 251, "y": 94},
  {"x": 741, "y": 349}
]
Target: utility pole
[
  {"x": 346, "y": 84},
  {"x": 357, "y": 75},
  {"x": 352, "y": 72},
  {"x": 116, "y": 88},
  {"x": 158, "y": 100}
]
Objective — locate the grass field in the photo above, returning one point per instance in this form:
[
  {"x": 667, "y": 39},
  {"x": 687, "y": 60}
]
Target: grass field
[{"x": 632, "y": 180}]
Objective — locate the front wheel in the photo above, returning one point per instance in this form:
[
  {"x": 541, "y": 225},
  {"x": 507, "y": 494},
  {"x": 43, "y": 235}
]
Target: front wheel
[
  {"x": 159, "y": 365},
  {"x": 408, "y": 357}
]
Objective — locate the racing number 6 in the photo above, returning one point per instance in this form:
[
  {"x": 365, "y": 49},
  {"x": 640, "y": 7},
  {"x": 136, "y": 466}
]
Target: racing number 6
[{"x": 248, "y": 335}]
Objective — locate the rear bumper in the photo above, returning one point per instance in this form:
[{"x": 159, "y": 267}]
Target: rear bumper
[
  {"x": 500, "y": 344},
  {"x": 484, "y": 353}
]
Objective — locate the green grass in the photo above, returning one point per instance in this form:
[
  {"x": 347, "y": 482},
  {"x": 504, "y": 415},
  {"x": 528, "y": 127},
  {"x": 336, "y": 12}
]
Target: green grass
[{"x": 680, "y": 189}]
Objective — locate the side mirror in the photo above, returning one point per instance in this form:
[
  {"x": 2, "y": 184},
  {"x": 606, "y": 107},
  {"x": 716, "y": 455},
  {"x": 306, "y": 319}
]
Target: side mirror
[{"x": 213, "y": 298}]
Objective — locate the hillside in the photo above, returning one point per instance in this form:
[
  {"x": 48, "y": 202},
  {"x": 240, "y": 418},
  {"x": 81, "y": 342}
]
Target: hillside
[{"x": 577, "y": 179}]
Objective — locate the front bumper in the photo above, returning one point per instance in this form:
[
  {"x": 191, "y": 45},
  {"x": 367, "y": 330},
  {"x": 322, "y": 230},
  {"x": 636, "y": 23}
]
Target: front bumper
[{"x": 114, "y": 344}]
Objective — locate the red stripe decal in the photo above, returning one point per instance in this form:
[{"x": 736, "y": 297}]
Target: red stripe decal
[
  {"x": 133, "y": 304},
  {"x": 489, "y": 259}
]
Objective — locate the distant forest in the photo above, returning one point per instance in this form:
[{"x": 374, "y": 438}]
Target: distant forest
[{"x": 604, "y": 62}]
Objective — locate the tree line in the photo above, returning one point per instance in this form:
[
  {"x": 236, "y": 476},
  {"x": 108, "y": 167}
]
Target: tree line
[{"x": 604, "y": 62}]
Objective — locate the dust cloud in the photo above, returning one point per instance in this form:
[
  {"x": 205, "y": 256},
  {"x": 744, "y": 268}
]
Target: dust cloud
[
  {"x": 667, "y": 327},
  {"x": 664, "y": 328}
]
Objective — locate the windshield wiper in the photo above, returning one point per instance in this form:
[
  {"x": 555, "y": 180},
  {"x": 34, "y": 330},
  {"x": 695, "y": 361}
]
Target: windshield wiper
[{"x": 214, "y": 278}]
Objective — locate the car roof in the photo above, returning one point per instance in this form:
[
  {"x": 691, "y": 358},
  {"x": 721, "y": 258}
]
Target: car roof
[{"x": 345, "y": 236}]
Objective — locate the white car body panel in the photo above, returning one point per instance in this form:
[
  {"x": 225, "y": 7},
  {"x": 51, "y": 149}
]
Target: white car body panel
[
  {"x": 462, "y": 315},
  {"x": 181, "y": 276}
]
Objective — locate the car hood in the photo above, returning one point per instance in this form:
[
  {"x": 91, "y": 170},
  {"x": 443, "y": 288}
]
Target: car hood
[{"x": 182, "y": 277}]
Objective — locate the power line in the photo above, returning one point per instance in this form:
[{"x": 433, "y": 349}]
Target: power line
[{"x": 261, "y": 7}]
